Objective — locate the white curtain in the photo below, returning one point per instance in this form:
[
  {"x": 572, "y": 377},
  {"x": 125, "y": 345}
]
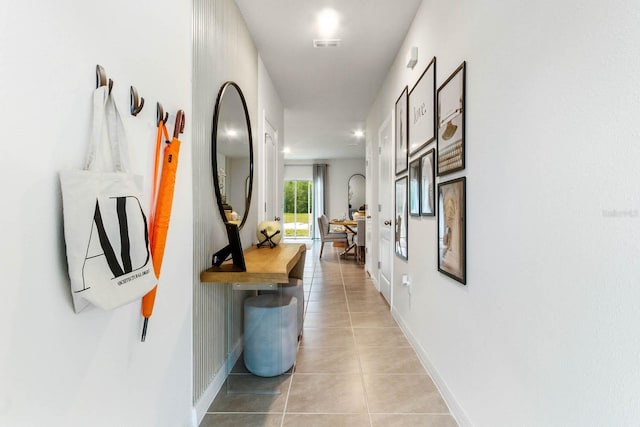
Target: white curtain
[{"x": 319, "y": 197}]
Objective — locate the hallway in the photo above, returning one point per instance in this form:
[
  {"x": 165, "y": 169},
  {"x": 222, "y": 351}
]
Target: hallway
[{"x": 354, "y": 365}]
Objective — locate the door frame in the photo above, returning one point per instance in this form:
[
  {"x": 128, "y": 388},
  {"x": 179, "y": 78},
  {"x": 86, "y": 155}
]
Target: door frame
[{"x": 268, "y": 128}]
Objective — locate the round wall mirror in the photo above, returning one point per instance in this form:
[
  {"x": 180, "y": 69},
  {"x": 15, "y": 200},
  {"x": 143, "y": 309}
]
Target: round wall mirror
[
  {"x": 356, "y": 193},
  {"x": 232, "y": 155}
]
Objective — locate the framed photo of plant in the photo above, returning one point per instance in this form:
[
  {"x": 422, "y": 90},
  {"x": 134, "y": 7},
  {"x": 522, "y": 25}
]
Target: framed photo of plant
[
  {"x": 401, "y": 234},
  {"x": 451, "y": 123},
  {"x": 427, "y": 180},
  {"x": 402, "y": 132},
  {"x": 452, "y": 229},
  {"x": 422, "y": 109},
  {"x": 414, "y": 188}
]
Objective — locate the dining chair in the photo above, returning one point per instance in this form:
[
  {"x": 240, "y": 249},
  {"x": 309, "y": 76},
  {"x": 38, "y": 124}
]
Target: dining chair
[
  {"x": 361, "y": 239},
  {"x": 326, "y": 236}
]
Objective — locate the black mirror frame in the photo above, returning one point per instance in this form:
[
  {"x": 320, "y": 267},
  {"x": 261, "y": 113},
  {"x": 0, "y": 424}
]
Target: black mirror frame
[
  {"x": 349, "y": 187},
  {"x": 214, "y": 149}
]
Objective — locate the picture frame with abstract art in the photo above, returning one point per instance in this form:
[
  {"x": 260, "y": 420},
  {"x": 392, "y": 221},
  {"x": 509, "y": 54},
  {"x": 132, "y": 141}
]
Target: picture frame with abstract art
[
  {"x": 414, "y": 188},
  {"x": 452, "y": 231},
  {"x": 422, "y": 110},
  {"x": 427, "y": 181},
  {"x": 451, "y": 122},
  {"x": 402, "y": 131},
  {"x": 401, "y": 233}
]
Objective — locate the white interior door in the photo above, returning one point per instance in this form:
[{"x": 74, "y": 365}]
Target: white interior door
[
  {"x": 385, "y": 199},
  {"x": 270, "y": 170}
]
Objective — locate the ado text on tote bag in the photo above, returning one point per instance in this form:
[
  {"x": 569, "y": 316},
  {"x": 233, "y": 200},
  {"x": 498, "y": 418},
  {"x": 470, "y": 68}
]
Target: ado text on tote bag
[{"x": 105, "y": 226}]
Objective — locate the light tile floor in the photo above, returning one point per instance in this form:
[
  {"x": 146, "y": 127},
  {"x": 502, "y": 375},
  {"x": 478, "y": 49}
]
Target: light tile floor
[{"x": 354, "y": 365}]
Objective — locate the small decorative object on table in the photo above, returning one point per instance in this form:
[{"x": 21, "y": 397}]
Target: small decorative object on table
[{"x": 268, "y": 234}]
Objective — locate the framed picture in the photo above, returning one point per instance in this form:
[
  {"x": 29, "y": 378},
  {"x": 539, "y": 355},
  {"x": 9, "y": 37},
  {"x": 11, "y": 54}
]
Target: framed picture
[
  {"x": 422, "y": 109},
  {"x": 414, "y": 188},
  {"x": 452, "y": 229},
  {"x": 402, "y": 132},
  {"x": 427, "y": 180},
  {"x": 451, "y": 119},
  {"x": 401, "y": 237}
]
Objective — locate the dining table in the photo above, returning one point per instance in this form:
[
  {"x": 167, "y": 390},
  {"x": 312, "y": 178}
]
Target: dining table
[{"x": 351, "y": 227}]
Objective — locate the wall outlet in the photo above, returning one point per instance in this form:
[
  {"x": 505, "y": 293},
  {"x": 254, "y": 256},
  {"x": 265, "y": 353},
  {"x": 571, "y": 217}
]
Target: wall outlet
[{"x": 406, "y": 282}]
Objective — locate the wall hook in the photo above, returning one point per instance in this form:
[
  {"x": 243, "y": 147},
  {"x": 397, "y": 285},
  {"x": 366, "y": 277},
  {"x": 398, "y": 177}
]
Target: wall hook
[
  {"x": 178, "y": 128},
  {"x": 161, "y": 116},
  {"x": 101, "y": 78},
  {"x": 135, "y": 103}
]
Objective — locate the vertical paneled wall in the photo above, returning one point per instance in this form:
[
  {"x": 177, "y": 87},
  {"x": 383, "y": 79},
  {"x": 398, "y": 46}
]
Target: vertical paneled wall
[{"x": 223, "y": 50}]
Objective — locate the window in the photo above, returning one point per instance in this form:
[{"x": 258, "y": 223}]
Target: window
[{"x": 298, "y": 200}]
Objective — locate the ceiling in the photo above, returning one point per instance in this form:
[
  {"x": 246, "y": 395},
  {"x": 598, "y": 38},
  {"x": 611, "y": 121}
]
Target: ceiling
[{"x": 327, "y": 92}]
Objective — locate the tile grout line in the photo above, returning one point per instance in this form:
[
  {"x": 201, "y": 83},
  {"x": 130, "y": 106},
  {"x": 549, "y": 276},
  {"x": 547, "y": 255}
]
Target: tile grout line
[
  {"x": 304, "y": 316},
  {"x": 355, "y": 344}
]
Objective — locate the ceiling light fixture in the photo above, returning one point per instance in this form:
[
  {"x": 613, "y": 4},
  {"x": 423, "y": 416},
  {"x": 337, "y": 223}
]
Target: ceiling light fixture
[
  {"x": 286, "y": 150},
  {"x": 358, "y": 134},
  {"x": 232, "y": 133},
  {"x": 328, "y": 20}
]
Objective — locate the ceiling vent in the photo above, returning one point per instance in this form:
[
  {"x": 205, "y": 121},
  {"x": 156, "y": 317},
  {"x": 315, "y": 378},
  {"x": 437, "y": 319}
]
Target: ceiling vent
[{"x": 326, "y": 43}]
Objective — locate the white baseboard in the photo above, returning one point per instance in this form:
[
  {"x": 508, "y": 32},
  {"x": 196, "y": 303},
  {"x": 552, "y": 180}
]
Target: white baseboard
[
  {"x": 200, "y": 409},
  {"x": 454, "y": 407}
]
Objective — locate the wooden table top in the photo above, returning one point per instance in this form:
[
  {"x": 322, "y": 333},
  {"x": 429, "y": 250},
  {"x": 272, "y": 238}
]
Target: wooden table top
[
  {"x": 348, "y": 222},
  {"x": 264, "y": 265}
]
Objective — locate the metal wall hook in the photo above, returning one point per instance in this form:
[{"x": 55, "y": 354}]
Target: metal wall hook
[
  {"x": 101, "y": 78},
  {"x": 161, "y": 116},
  {"x": 135, "y": 103}
]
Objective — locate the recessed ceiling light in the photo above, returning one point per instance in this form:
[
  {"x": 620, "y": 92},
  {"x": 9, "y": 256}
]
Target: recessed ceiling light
[
  {"x": 232, "y": 133},
  {"x": 328, "y": 21},
  {"x": 286, "y": 150},
  {"x": 358, "y": 134}
]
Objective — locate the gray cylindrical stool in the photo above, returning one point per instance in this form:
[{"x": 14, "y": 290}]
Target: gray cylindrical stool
[
  {"x": 270, "y": 334},
  {"x": 294, "y": 288}
]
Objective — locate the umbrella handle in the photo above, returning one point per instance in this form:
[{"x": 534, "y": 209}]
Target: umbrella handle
[{"x": 178, "y": 128}]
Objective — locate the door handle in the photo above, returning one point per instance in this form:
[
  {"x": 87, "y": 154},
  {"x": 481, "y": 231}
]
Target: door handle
[
  {"x": 277, "y": 218},
  {"x": 387, "y": 222},
  {"x": 368, "y": 216}
]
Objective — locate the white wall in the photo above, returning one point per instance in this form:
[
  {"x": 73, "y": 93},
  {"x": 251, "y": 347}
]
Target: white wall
[
  {"x": 545, "y": 332},
  {"x": 56, "y": 367},
  {"x": 298, "y": 172},
  {"x": 338, "y": 173}
]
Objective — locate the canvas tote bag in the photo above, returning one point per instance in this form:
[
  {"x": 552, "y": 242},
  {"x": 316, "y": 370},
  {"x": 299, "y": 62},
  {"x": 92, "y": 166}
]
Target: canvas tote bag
[{"x": 105, "y": 226}]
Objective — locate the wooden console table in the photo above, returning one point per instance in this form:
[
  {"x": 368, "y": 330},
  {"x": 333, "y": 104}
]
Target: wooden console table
[{"x": 266, "y": 267}]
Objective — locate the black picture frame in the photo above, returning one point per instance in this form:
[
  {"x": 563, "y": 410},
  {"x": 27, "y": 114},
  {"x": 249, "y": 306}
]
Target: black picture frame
[
  {"x": 414, "y": 188},
  {"x": 452, "y": 231},
  {"x": 401, "y": 219},
  {"x": 451, "y": 122},
  {"x": 427, "y": 183},
  {"x": 422, "y": 110},
  {"x": 402, "y": 131}
]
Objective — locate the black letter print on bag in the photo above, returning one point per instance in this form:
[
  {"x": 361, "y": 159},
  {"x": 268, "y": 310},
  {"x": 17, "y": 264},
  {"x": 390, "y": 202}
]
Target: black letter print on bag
[{"x": 103, "y": 255}]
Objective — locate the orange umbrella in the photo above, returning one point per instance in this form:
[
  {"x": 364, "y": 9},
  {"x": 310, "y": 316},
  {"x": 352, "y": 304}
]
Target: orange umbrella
[{"x": 159, "y": 223}]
